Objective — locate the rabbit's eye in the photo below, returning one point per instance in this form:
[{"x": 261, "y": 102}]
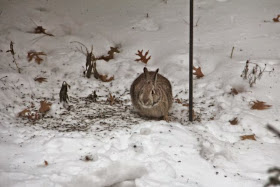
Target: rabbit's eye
[{"x": 153, "y": 92}]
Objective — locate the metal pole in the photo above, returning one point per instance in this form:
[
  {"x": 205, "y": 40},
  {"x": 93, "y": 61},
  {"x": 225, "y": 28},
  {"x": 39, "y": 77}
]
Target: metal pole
[{"x": 191, "y": 64}]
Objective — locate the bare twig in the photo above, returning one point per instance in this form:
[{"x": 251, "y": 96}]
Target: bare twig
[
  {"x": 274, "y": 130},
  {"x": 11, "y": 50},
  {"x": 81, "y": 45},
  {"x": 3, "y": 77},
  {"x": 196, "y": 25},
  {"x": 232, "y": 52}
]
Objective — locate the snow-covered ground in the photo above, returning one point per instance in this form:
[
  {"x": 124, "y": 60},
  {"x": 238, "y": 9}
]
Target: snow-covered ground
[{"x": 91, "y": 143}]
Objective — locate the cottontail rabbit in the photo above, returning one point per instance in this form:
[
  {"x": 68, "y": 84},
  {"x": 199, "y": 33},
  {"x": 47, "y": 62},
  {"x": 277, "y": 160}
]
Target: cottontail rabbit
[{"x": 151, "y": 94}]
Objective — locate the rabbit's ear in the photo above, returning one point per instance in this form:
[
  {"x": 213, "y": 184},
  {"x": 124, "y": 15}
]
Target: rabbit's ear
[
  {"x": 145, "y": 72},
  {"x": 155, "y": 76}
]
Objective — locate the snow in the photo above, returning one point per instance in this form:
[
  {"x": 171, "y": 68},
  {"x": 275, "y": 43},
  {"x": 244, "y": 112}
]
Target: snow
[{"x": 88, "y": 143}]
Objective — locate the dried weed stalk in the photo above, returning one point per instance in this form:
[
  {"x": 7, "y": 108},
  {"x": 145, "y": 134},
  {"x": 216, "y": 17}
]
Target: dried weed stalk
[
  {"x": 91, "y": 62},
  {"x": 273, "y": 180},
  {"x": 255, "y": 73},
  {"x": 63, "y": 96},
  {"x": 11, "y": 50}
]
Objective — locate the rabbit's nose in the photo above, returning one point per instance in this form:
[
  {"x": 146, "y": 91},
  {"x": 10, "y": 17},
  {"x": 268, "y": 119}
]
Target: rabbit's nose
[{"x": 146, "y": 102}]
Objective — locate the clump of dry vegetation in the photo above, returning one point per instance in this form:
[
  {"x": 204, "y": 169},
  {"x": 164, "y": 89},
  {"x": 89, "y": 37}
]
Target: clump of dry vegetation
[
  {"x": 254, "y": 74},
  {"x": 91, "y": 62}
]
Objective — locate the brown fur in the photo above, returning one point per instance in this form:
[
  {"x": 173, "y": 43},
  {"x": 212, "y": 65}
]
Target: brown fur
[{"x": 151, "y": 94}]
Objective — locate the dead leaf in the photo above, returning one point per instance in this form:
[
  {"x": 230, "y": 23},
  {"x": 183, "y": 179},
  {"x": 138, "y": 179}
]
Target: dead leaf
[
  {"x": 259, "y": 105},
  {"x": 233, "y": 91},
  {"x": 34, "y": 116},
  {"x": 111, "y": 99},
  {"x": 46, "y": 163},
  {"x": 143, "y": 58},
  {"x": 277, "y": 19},
  {"x": 105, "y": 78},
  {"x": 25, "y": 113},
  {"x": 180, "y": 102},
  {"x": 234, "y": 121},
  {"x": 248, "y": 137},
  {"x": 41, "y": 30},
  {"x": 45, "y": 107},
  {"x": 40, "y": 79},
  {"x": 198, "y": 72},
  {"x": 110, "y": 55},
  {"x": 36, "y": 55}
]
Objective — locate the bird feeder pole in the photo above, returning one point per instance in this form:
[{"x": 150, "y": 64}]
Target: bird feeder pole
[{"x": 191, "y": 64}]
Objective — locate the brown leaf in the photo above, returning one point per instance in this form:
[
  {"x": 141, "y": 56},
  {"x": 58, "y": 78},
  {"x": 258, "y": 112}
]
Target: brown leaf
[
  {"x": 41, "y": 30},
  {"x": 143, "y": 58},
  {"x": 45, "y": 107},
  {"x": 36, "y": 55},
  {"x": 25, "y": 113},
  {"x": 198, "y": 72},
  {"x": 105, "y": 78},
  {"x": 111, "y": 99},
  {"x": 259, "y": 105},
  {"x": 34, "y": 116},
  {"x": 277, "y": 19},
  {"x": 233, "y": 91},
  {"x": 110, "y": 55},
  {"x": 46, "y": 163},
  {"x": 180, "y": 102},
  {"x": 40, "y": 79},
  {"x": 234, "y": 121},
  {"x": 248, "y": 137}
]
